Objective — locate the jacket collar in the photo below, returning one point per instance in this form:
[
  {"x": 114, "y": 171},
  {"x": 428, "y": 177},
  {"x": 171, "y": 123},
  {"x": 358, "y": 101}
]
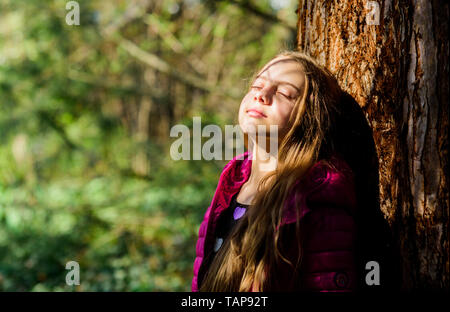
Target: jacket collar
[{"x": 234, "y": 175}]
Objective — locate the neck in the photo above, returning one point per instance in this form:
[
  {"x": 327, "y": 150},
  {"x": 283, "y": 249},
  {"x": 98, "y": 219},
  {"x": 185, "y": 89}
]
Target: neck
[{"x": 263, "y": 161}]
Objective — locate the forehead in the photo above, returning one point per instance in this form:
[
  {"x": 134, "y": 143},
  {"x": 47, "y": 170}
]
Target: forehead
[{"x": 283, "y": 69}]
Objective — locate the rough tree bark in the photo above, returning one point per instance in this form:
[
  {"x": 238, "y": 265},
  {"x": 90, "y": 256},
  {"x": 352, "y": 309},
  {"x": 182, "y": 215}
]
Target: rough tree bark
[{"x": 397, "y": 69}]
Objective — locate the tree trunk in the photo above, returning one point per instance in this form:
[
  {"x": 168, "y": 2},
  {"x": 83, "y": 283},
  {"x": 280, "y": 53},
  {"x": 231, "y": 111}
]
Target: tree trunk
[{"x": 397, "y": 68}]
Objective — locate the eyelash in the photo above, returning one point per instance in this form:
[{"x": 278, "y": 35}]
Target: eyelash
[{"x": 288, "y": 97}]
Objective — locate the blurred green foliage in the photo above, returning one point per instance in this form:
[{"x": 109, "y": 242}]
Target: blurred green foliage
[{"x": 83, "y": 176}]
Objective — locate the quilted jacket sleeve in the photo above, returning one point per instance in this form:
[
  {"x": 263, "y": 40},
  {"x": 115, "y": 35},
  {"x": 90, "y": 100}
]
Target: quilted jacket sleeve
[
  {"x": 326, "y": 209},
  {"x": 328, "y": 251}
]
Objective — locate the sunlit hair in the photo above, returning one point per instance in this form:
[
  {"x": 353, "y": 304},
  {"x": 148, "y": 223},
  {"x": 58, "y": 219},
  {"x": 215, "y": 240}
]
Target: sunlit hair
[{"x": 255, "y": 244}]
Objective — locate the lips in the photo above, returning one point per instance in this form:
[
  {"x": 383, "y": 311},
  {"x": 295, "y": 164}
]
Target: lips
[{"x": 256, "y": 113}]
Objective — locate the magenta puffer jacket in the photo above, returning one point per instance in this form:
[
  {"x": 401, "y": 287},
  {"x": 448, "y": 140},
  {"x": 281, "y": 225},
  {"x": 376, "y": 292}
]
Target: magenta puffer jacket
[{"x": 326, "y": 204}]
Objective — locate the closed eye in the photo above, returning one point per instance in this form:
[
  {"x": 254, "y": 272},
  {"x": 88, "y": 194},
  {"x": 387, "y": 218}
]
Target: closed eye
[{"x": 286, "y": 96}]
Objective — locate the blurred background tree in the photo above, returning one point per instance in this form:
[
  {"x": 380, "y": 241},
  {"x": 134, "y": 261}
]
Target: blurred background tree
[{"x": 85, "y": 116}]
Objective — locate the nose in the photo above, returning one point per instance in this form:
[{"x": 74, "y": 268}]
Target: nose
[{"x": 262, "y": 96}]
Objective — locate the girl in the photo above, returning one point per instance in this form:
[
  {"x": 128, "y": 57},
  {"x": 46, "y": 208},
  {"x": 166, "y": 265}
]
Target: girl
[{"x": 293, "y": 227}]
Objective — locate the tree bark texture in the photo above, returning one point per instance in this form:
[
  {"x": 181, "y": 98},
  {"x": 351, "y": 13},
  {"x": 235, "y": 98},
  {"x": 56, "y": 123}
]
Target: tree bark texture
[{"x": 397, "y": 69}]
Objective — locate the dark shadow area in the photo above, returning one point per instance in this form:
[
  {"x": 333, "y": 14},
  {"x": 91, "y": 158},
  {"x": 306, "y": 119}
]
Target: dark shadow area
[{"x": 375, "y": 241}]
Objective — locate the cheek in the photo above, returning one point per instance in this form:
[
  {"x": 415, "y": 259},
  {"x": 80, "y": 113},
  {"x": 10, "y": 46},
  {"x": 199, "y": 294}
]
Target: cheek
[
  {"x": 283, "y": 115},
  {"x": 241, "y": 114},
  {"x": 241, "y": 110},
  {"x": 243, "y": 106}
]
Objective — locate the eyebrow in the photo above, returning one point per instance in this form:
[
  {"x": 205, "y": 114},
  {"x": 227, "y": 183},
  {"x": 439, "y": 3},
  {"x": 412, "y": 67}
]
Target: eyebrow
[{"x": 280, "y": 82}]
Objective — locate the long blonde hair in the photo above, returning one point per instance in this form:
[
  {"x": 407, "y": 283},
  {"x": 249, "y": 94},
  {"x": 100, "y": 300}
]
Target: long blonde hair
[{"x": 254, "y": 244}]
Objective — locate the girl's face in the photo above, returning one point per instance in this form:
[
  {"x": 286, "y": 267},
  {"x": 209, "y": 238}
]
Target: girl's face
[{"x": 272, "y": 95}]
